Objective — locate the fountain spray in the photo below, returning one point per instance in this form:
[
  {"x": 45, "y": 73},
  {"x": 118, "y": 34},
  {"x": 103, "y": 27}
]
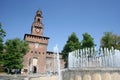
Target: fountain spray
[{"x": 58, "y": 61}]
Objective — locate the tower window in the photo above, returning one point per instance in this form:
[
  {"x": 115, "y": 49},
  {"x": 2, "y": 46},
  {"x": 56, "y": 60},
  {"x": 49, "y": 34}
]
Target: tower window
[
  {"x": 31, "y": 51},
  {"x": 36, "y": 52},
  {"x": 38, "y": 20}
]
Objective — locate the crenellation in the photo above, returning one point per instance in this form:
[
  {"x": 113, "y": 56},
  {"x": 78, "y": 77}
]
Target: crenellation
[{"x": 39, "y": 39}]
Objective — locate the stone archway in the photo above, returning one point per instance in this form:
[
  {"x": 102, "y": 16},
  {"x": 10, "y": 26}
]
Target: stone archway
[
  {"x": 34, "y": 65},
  {"x": 34, "y": 69}
]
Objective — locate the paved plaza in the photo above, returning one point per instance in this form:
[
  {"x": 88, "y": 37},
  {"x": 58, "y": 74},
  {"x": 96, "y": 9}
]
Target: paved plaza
[{"x": 30, "y": 77}]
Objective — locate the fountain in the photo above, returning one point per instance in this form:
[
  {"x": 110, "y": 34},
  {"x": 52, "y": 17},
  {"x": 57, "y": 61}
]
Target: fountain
[
  {"x": 90, "y": 64},
  {"x": 103, "y": 58},
  {"x": 56, "y": 56}
]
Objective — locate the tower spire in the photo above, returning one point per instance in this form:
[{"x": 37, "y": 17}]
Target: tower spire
[
  {"x": 37, "y": 26},
  {"x": 38, "y": 16}
]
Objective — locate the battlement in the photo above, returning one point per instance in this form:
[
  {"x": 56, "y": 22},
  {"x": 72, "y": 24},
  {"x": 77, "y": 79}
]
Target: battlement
[
  {"x": 51, "y": 54},
  {"x": 34, "y": 38}
]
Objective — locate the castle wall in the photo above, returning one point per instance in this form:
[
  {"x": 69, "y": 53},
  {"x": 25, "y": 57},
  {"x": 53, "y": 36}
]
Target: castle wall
[{"x": 51, "y": 62}]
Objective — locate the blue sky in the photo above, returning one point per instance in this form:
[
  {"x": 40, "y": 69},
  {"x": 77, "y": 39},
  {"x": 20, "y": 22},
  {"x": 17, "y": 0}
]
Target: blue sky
[{"x": 61, "y": 18}]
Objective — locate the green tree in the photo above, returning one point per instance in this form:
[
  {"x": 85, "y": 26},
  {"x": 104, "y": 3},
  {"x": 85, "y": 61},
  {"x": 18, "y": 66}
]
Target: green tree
[
  {"x": 71, "y": 45},
  {"x": 2, "y": 35},
  {"x": 110, "y": 40},
  {"x": 14, "y": 51},
  {"x": 107, "y": 40},
  {"x": 88, "y": 41},
  {"x": 116, "y": 41}
]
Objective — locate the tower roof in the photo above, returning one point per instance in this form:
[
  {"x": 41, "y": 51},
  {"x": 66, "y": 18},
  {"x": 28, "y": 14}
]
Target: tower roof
[{"x": 39, "y": 13}]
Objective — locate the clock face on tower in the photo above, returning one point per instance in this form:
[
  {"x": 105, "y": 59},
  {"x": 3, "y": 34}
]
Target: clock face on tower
[{"x": 37, "y": 30}]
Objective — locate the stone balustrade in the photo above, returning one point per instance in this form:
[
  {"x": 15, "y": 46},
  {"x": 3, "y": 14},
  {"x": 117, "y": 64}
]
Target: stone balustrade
[{"x": 91, "y": 74}]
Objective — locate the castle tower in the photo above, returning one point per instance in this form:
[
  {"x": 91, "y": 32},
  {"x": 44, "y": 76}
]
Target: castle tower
[
  {"x": 35, "y": 59},
  {"x": 37, "y": 26}
]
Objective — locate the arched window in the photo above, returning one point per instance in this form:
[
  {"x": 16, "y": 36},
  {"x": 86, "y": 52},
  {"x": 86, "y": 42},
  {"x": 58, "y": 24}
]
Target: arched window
[
  {"x": 38, "y": 20},
  {"x": 35, "y": 61}
]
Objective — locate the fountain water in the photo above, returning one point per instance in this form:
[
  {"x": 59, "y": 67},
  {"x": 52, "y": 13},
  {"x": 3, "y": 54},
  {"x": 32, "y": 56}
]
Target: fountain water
[
  {"x": 56, "y": 53},
  {"x": 93, "y": 58}
]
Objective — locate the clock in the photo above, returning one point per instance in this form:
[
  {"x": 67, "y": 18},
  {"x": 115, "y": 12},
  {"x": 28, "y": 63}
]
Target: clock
[{"x": 37, "y": 30}]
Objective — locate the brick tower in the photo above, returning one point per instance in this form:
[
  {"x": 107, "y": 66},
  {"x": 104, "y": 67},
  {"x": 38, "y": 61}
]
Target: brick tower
[{"x": 35, "y": 59}]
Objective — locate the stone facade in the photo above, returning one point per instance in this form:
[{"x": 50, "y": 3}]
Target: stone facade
[
  {"x": 91, "y": 74},
  {"x": 38, "y": 59}
]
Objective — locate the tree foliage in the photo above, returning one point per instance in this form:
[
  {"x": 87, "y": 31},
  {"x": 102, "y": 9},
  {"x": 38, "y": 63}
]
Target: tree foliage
[
  {"x": 71, "y": 45},
  {"x": 88, "y": 41},
  {"x": 2, "y": 35},
  {"x": 14, "y": 51},
  {"x": 110, "y": 40},
  {"x": 116, "y": 41}
]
